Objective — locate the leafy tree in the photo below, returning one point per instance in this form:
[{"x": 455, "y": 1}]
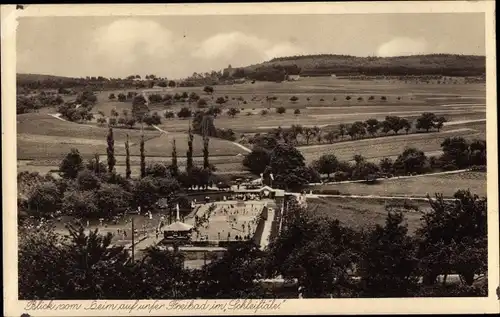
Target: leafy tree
[
  {"x": 110, "y": 150},
  {"x": 395, "y": 123},
  {"x": 184, "y": 113},
  {"x": 318, "y": 252},
  {"x": 264, "y": 112},
  {"x": 308, "y": 134},
  {"x": 331, "y": 137},
  {"x": 456, "y": 150},
  {"x": 257, "y": 160},
  {"x": 439, "y": 123},
  {"x": 221, "y": 101},
  {"x": 294, "y": 99},
  {"x": 386, "y": 165},
  {"x": 80, "y": 203},
  {"x": 406, "y": 125},
  {"x": 477, "y": 152},
  {"x": 202, "y": 103},
  {"x": 128, "y": 172},
  {"x": 143, "y": 157},
  {"x": 208, "y": 90},
  {"x": 411, "y": 161},
  {"x": 155, "y": 98},
  {"x": 171, "y": 84},
  {"x": 71, "y": 164},
  {"x": 87, "y": 180},
  {"x": 96, "y": 165},
  {"x": 326, "y": 164},
  {"x": 139, "y": 107},
  {"x": 280, "y": 110},
  {"x": 232, "y": 112},
  {"x": 386, "y": 127},
  {"x": 130, "y": 122},
  {"x": 453, "y": 238},
  {"x": 357, "y": 129},
  {"x": 101, "y": 121},
  {"x": 348, "y": 98},
  {"x": 112, "y": 122},
  {"x": 296, "y": 112},
  {"x": 342, "y": 130},
  {"x": 157, "y": 170},
  {"x": 169, "y": 114},
  {"x": 43, "y": 199},
  {"x": 388, "y": 265},
  {"x": 236, "y": 273},
  {"x": 288, "y": 166},
  {"x": 372, "y": 126},
  {"x": 112, "y": 199},
  {"x": 265, "y": 141},
  {"x": 112, "y": 96},
  {"x": 426, "y": 121}
]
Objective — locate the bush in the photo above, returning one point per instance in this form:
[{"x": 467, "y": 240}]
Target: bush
[
  {"x": 294, "y": 99},
  {"x": 280, "y": 110},
  {"x": 264, "y": 112},
  {"x": 296, "y": 111},
  {"x": 384, "y": 98},
  {"x": 348, "y": 98}
]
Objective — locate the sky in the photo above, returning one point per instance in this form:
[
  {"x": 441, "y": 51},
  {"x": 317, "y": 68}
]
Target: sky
[{"x": 176, "y": 46}]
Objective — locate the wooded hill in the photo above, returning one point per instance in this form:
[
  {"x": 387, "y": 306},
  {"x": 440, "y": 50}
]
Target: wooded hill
[{"x": 344, "y": 65}]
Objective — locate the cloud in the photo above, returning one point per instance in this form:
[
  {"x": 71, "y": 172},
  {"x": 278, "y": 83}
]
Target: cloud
[
  {"x": 128, "y": 41},
  {"x": 401, "y": 46},
  {"x": 244, "y": 48}
]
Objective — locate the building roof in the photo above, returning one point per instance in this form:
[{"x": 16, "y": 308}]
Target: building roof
[{"x": 178, "y": 226}]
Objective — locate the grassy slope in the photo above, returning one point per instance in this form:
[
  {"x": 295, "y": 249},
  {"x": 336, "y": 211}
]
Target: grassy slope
[
  {"x": 419, "y": 186},
  {"x": 389, "y": 146},
  {"x": 361, "y": 213}
]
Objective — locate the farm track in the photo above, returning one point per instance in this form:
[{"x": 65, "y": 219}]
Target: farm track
[
  {"x": 370, "y": 197},
  {"x": 395, "y": 178}
]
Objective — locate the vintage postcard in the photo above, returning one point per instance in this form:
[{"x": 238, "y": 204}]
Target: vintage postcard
[{"x": 242, "y": 159}]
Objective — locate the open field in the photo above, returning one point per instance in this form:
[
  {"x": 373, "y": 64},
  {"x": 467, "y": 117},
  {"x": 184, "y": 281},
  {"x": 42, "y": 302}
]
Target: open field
[
  {"x": 363, "y": 213},
  {"x": 417, "y": 186},
  {"x": 40, "y": 136},
  {"x": 43, "y": 140}
]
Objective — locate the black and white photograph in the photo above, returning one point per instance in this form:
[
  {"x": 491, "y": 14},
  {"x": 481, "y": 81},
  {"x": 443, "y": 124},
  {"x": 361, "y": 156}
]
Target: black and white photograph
[{"x": 222, "y": 162}]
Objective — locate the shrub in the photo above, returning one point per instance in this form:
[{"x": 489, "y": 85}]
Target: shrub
[
  {"x": 348, "y": 98},
  {"x": 280, "y": 110},
  {"x": 264, "y": 112},
  {"x": 296, "y": 111}
]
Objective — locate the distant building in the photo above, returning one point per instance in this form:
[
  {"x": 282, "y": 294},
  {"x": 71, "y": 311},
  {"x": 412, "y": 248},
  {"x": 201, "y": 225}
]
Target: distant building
[
  {"x": 333, "y": 76},
  {"x": 293, "y": 77}
]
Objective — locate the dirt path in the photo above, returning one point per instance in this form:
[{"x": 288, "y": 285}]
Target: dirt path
[
  {"x": 395, "y": 178},
  {"x": 369, "y": 197},
  {"x": 58, "y": 116}
]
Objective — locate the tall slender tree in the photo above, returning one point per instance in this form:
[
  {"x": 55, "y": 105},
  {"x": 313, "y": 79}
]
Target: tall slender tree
[
  {"x": 111, "y": 150},
  {"x": 206, "y": 163},
  {"x": 143, "y": 157},
  {"x": 189, "y": 154},
  {"x": 127, "y": 159},
  {"x": 97, "y": 170},
  {"x": 175, "y": 167}
]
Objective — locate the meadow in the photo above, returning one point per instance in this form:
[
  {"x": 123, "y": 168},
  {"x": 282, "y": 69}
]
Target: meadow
[
  {"x": 421, "y": 186},
  {"x": 362, "y": 214}
]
